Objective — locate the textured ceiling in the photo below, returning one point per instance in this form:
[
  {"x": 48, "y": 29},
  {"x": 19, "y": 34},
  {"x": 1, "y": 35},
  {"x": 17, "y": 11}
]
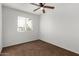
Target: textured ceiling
[{"x": 28, "y": 7}]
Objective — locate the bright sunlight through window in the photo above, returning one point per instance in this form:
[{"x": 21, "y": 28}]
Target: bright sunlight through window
[{"x": 24, "y": 24}]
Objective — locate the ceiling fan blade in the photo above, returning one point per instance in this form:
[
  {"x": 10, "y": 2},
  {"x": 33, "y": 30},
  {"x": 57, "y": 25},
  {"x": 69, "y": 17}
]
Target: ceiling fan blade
[
  {"x": 49, "y": 7},
  {"x": 43, "y": 10},
  {"x": 34, "y": 4},
  {"x": 36, "y": 9}
]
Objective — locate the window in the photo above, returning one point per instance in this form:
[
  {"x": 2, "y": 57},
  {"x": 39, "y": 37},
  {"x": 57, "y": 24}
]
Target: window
[{"x": 24, "y": 24}]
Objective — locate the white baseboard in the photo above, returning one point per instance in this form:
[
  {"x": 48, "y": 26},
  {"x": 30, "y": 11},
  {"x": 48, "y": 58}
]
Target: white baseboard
[
  {"x": 18, "y": 43},
  {"x": 60, "y": 46}
]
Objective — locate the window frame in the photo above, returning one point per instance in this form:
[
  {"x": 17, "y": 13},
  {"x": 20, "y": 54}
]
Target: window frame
[{"x": 23, "y": 27}]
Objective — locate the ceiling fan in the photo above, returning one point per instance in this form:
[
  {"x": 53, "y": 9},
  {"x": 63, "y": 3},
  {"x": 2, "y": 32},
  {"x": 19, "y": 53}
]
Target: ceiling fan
[{"x": 42, "y": 7}]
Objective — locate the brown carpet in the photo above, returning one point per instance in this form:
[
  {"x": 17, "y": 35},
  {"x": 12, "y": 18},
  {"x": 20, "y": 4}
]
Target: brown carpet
[{"x": 36, "y": 48}]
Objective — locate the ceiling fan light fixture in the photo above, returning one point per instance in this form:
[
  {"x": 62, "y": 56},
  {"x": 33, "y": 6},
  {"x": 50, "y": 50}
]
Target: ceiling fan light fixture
[{"x": 41, "y": 8}]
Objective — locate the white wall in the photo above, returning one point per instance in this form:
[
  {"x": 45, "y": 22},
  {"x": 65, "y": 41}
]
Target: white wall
[
  {"x": 0, "y": 27},
  {"x": 61, "y": 27},
  {"x": 10, "y": 34}
]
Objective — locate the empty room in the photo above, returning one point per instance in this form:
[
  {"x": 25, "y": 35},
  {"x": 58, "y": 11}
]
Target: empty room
[{"x": 39, "y": 29}]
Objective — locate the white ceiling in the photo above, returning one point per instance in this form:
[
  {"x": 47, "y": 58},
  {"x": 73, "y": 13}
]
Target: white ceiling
[{"x": 28, "y": 7}]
